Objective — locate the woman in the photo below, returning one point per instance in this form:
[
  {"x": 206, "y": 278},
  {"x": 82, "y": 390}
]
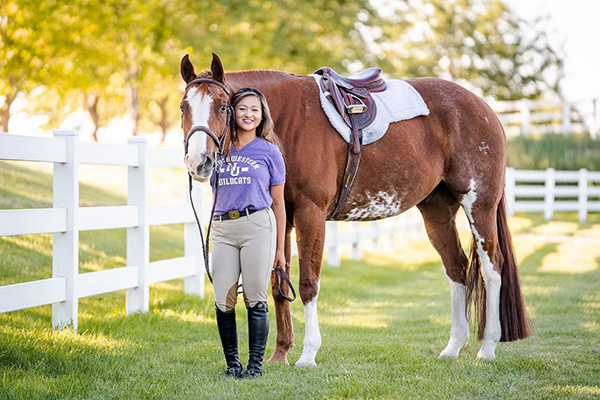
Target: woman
[{"x": 248, "y": 227}]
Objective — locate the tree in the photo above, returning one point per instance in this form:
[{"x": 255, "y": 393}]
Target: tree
[
  {"x": 27, "y": 60},
  {"x": 478, "y": 43}
]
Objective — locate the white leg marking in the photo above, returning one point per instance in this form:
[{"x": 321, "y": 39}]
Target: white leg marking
[
  {"x": 492, "y": 281},
  {"x": 312, "y": 335},
  {"x": 459, "y": 331},
  {"x": 200, "y": 109}
]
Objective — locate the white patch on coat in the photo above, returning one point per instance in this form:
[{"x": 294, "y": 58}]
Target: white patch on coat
[
  {"x": 380, "y": 205},
  {"x": 491, "y": 279},
  {"x": 200, "y": 112},
  {"x": 312, "y": 335},
  {"x": 459, "y": 330}
]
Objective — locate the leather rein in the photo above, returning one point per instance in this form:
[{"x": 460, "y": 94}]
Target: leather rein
[{"x": 220, "y": 142}]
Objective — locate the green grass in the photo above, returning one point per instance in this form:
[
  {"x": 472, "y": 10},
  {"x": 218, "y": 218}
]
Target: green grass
[
  {"x": 383, "y": 319},
  {"x": 554, "y": 151}
]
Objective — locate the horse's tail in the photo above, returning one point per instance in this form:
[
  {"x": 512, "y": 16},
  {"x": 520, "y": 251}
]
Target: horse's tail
[{"x": 514, "y": 321}]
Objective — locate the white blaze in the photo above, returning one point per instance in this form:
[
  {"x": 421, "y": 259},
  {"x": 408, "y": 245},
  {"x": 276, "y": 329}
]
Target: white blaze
[{"x": 200, "y": 112}]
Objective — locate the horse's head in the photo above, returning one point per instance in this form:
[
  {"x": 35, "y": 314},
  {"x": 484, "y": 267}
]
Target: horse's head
[{"x": 205, "y": 115}]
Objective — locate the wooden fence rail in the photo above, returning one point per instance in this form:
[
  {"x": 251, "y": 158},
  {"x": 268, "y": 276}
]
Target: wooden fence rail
[{"x": 538, "y": 117}]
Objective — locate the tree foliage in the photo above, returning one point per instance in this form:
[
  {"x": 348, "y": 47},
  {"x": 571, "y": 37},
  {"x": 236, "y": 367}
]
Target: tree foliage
[
  {"x": 478, "y": 43},
  {"x": 118, "y": 57}
]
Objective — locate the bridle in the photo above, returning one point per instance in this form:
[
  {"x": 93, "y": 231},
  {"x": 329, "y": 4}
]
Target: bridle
[{"x": 220, "y": 142}]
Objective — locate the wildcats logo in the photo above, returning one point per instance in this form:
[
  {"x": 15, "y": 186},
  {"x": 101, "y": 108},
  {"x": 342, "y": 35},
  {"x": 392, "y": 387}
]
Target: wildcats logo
[{"x": 234, "y": 169}]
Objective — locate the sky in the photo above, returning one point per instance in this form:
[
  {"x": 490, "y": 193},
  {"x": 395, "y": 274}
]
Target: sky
[{"x": 574, "y": 29}]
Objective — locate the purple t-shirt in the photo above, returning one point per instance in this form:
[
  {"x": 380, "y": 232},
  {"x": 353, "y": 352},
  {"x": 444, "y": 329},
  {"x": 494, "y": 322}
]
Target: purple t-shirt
[{"x": 246, "y": 179}]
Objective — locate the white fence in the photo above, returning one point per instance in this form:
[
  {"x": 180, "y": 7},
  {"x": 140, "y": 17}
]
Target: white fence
[
  {"x": 527, "y": 117},
  {"x": 550, "y": 191},
  {"x": 66, "y": 219}
]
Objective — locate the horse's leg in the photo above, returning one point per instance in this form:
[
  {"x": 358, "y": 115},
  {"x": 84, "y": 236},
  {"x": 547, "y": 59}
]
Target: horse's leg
[
  {"x": 285, "y": 331},
  {"x": 481, "y": 210},
  {"x": 439, "y": 212},
  {"x": 309, "y": 221}
]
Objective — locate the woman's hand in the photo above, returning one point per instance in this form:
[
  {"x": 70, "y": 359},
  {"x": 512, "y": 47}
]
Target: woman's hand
[{"x": 279, "y": 259}]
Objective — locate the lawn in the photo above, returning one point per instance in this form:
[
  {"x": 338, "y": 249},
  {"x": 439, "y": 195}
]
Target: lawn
[{"x": 384, "y": 319}]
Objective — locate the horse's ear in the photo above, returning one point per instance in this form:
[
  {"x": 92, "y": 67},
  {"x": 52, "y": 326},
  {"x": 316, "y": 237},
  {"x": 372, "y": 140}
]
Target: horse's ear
[
  {"x": 216, "y": 67},
  {"x": 187, "y": 69}
]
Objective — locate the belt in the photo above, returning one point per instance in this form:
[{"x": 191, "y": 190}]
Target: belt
[{"x": 234, "y": 214}]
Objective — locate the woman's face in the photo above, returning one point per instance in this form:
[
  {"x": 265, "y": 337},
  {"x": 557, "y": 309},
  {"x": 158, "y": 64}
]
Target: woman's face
[{"x": 248, "y": 113}]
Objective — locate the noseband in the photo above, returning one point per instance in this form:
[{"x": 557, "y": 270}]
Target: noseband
[{"x": 219, "y": 141}]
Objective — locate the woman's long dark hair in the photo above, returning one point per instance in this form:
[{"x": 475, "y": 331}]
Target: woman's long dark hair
[{"x": 264, "y": 130}]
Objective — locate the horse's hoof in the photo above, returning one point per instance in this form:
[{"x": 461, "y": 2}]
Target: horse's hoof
[
  {"x": 278, "y": 360},
  {"x": 485, "y": 356},
  {"x": 447, "y": 355},
  {"x": 305, "y": 364}
]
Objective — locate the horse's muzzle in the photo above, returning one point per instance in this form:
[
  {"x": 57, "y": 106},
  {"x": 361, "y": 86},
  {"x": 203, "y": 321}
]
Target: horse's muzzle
[{"x": 202, "y": 171}]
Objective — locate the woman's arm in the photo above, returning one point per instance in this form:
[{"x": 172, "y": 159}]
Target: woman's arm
[{"x": 279, "y": 211}]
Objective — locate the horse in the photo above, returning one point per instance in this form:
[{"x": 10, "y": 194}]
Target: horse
[{"x": 454, "y": 157}]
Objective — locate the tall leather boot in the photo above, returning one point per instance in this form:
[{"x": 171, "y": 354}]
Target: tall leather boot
[
  {"x": 229, "y": 340},
  {"x": 258, "y": 332}
]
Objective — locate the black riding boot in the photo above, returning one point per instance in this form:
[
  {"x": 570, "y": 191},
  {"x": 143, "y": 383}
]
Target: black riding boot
[
  {"x": 229, "y": 340},
  {"x": 258, "y": 331}
]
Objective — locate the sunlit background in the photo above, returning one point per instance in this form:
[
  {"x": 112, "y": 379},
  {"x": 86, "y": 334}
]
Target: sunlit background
[{"x": 111, "y": 69}]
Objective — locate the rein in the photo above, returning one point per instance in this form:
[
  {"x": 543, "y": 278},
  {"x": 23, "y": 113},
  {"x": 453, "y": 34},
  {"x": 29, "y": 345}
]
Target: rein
[{"x": 220, "y": 142}]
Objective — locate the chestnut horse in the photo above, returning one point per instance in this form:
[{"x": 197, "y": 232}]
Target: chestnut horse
[{"x": 453, "y": 157}]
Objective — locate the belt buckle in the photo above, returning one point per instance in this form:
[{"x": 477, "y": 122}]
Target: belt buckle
[{"x": 235, "y": 214}]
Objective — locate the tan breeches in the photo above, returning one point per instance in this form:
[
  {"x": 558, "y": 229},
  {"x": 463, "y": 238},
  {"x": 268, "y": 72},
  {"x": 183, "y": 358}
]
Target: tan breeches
[{"x": 243, "y": 246}]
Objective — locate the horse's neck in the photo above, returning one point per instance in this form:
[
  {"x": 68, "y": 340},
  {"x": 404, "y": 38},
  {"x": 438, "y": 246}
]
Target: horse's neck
[{"x": 283, "y": 91}]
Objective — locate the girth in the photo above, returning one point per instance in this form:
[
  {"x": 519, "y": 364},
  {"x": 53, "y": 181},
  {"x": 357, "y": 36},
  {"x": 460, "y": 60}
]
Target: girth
[{"x": 352, "y": 98}]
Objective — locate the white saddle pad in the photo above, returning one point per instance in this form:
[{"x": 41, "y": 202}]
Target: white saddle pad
[{"x": 398, "y": 102}]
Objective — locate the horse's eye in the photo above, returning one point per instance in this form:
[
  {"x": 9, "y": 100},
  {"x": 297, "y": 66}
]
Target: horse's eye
[
  {"x": 181, "y": 108},
  {"x": 222, "y": 109}
]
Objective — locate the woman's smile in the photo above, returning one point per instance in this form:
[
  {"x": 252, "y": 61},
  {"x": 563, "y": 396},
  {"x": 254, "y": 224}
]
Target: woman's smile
[{"x": 248, "y": 113}]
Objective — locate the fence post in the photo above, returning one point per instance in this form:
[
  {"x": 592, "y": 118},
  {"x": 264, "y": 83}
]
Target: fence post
[
  {"x": 583, "y": 194},
  {"x": 510, "y": 190},
  {"x": 549, "y": 197},
  {"x": 193, "y": 247},
  {"x": 566, "y": 118},
  {"x": 376, "y": 239},
  {"x": 138, "y": 238},
  {"x": 595, "y": 123},
  {"x": 65, "y": 245},
  {"x": 525, "y": 117},
  {"x": 356, "y": 251},
  {"x": 333, "y": 252}
]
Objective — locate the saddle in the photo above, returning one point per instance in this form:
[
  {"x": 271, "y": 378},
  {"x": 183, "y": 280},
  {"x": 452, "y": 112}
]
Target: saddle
[{"x": 352, "y": 99}]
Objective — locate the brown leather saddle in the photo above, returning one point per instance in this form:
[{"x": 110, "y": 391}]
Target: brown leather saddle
[
  {"x": 353, "y": 101},
  {"x": 352, "y": 96}
]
